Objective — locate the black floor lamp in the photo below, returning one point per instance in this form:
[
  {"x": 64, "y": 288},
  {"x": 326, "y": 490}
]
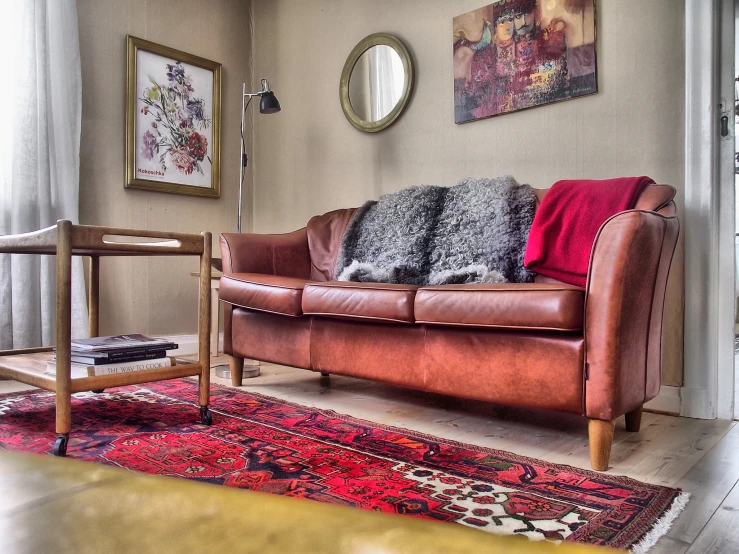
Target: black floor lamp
[{"x": 268, "y": 103}]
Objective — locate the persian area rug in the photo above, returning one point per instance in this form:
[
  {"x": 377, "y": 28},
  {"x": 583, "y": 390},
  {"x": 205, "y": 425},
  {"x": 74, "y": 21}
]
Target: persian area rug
[{"x": 270, "y": 445}]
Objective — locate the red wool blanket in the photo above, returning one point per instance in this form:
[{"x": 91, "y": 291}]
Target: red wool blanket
[{"x": 566, "y": 223}]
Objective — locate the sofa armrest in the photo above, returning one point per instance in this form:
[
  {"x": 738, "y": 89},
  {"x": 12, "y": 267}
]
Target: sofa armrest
[
  {"x": 286, "y": 255},
  {"x": 625, "y": 296}
]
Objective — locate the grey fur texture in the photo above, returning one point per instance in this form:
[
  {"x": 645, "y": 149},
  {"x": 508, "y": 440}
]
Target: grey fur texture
[{"x": 474, "y": 232}]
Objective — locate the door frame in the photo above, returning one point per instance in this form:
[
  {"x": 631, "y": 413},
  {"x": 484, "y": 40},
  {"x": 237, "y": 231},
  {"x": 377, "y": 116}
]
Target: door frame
[{"x": 708, "y": 385}]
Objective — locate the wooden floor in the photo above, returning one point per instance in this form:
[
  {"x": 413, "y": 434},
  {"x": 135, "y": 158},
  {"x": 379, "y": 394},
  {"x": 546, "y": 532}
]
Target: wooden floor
[
  {"x": 699, "y": 456},
  {"x": 736, "y": 378}
]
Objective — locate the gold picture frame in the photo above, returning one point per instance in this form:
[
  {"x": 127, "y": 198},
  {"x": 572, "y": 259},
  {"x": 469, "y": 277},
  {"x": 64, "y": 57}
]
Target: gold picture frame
[{"x": 173, "y": 120}]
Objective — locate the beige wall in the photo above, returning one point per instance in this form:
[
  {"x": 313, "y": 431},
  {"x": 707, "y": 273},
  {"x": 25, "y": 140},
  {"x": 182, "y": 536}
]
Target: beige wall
[
  {"x": 155, "y": 295},
  {"x": 309, "y": 159}
]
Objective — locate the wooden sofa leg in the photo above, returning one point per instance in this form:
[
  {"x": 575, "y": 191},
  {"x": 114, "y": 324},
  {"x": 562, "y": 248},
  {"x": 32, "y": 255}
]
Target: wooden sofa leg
[
  {"x": 236, "y": 365},
  {"x": 633, "y": 420},
  {"x": 600, "y": 434}
]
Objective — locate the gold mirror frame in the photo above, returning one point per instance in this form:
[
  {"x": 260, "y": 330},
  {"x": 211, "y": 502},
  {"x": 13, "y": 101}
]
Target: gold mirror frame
[{"x": 376, "y": 39}]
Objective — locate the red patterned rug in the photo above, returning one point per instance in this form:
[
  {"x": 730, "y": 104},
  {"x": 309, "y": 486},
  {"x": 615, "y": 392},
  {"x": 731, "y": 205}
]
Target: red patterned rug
[{"x": 265, "y": 444}]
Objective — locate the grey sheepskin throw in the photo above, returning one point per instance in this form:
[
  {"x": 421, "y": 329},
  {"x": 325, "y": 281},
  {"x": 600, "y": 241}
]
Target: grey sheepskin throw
[{"x": 474, "y": 232}]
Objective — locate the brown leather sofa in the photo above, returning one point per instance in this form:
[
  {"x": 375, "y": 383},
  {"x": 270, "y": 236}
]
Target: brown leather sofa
[{"x": 595, "y": 351}]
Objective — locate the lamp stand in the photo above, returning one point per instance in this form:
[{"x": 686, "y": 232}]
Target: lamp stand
[
  {"x": 224, "y": 371},
  {"x": 242, "y": 157},
  {"x": 251, "y": 369},
  {"x": 267, "y": 105}
]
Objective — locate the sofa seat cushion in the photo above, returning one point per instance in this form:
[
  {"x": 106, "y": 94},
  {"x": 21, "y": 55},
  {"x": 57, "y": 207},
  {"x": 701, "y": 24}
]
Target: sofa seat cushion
[
  {"x": 363, "y": 301},
  {"x": 266, "y": 293},
  {"x": 533, "y": 306}
]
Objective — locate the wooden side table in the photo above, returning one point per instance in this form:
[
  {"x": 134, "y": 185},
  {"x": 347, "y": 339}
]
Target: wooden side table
[{"x": 65, "y": 240}]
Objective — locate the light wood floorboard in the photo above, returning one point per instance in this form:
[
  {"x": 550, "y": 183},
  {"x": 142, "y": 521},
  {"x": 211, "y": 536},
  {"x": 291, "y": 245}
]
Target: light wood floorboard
[
  {"x": 668, "y": 545},
  {"x": 709, "y": 482},
  {"x": 721, "y": 534},
  {"x": 736, "y": 375},
  {"x": 699, "y": 456}
]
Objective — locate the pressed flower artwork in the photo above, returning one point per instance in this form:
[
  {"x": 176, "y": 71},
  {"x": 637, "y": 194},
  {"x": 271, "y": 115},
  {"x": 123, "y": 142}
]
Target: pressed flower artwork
[{"x": 172, "y": 121}]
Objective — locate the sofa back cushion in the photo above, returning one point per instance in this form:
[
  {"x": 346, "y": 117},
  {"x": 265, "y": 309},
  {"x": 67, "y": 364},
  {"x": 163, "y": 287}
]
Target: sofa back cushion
[
  {"x": 324, "y": 241},
  {"x": 326, "y": 231}
]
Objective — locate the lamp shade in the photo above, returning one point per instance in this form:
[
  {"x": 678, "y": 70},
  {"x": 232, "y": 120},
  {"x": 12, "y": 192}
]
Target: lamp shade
[{"x": 269, "y": 103}]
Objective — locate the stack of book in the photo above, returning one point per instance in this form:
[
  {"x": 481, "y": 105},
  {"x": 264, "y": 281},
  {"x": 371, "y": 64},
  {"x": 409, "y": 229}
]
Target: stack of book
[{"x": 116, "y": 354}]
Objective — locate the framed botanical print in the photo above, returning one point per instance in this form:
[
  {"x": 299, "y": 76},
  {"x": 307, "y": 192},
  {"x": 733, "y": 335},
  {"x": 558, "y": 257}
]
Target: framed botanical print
[{"x": 173, "y": 120}]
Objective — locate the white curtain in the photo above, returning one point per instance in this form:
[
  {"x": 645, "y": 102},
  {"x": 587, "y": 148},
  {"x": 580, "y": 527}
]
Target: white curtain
[
  {"x": 386, "y": 80},
  {"x": 41, "y": 103}
]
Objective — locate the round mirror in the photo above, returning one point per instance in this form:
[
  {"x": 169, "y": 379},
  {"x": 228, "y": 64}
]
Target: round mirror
[{"x": 376, "y": 82}]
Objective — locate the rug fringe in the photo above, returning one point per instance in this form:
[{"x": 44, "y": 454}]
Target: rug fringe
[{"x": 662, "y": 525}]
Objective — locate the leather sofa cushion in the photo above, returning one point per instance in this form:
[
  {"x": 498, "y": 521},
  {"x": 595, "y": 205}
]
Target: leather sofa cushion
[
  {"x": 365, "y": 301},
  {"x": 532, "y": 306},
  {"x": 324, "y": 241},
  {"x": 267, "y": 293}
]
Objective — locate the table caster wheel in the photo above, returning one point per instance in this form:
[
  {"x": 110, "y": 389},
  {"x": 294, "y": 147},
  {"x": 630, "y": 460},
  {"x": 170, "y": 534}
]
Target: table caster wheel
[
  {"x": 206, "y": 418},
  {"x": 99, "y": 391},
  {"x": 60, "y": 446}
]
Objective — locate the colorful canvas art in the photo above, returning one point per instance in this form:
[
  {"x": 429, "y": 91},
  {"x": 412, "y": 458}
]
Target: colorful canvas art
[{"x": 517, "y": 54}]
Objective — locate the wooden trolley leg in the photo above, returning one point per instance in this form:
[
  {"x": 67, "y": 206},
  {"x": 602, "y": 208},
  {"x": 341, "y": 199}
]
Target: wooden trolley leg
[
  {"x": 633, "y": 420},
  {"x": 63, "y": 336},
  {"x": 204, "y": 331},
  {"x": 215, "y": 316},
  {"x": 601, "y": 439},
  {"x": 93, "y": 297},
  {"x": 93, "y": 302},
  {"x": 236, "y": 365}
]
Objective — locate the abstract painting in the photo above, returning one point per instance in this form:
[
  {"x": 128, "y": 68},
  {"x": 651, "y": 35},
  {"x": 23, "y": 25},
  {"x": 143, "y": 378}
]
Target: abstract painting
[
  {"x": 517, "y": 54},
  {"x": 173, "y": 120}
]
